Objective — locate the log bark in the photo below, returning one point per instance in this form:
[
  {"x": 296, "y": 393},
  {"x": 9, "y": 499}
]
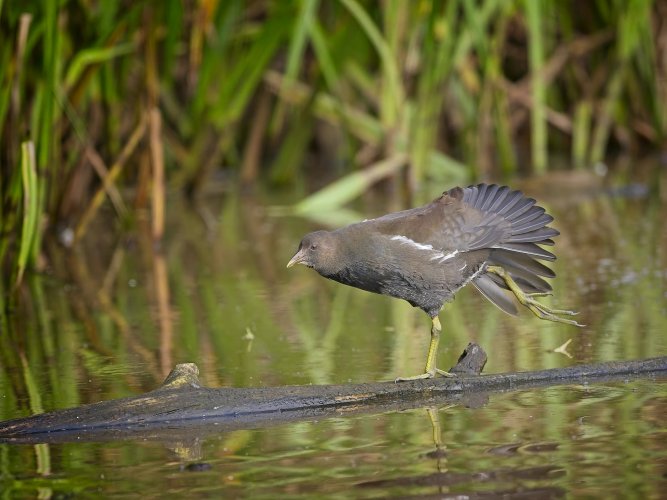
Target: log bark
[{"x": 182, "y": 410}]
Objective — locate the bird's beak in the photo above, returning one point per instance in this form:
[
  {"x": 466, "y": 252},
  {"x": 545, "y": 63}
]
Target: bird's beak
[{"x": 299, "y": 258}]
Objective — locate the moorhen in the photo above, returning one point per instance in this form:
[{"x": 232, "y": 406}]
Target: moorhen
[{"x": 487, "y": 235}]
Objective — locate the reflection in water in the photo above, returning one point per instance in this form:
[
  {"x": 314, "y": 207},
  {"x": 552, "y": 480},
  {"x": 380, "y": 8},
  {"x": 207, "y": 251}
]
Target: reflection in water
[
  {"x": 499, "y": 477},
  {"x": 109, "y": 318}
]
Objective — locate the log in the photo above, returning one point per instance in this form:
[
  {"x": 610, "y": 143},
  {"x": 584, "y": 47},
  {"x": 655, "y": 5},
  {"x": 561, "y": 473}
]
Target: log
[{"x": 181, "y": 410}]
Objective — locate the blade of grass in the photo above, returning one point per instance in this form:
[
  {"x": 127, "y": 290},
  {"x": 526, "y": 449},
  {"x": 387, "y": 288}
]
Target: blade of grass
[
  {"x": 173, "y": 35},
  {"x": 323, "y": 54},
  {"x": 501, "y": 105},
  {"x": 157, "y": 164},
  {"x": 93, "y": 56},
  {"x": 47, "y": 115},
  {"x": 581, "y": 133},
  {"x": 363, "y": 125},
  {"x": 30, "y": 207},
  {"x": 225, "y": 26},
  {"x": 242, "y": 80},
  {"x": 437, "y": 64},
  {"x": 629, "y": 27},
  {"x": 395, "y": 97},
  {"x": 349, "y": 187},
  {"x": 534, "y": 16},
  {"x": 302, "y": 27}
]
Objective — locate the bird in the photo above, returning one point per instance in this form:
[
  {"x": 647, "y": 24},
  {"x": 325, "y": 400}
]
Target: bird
[{"x": 487, "y": 235}]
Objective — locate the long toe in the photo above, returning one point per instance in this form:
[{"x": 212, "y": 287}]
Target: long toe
[
  {"x": 527, "y": 299},
  {"x": 416, "y": 377},
  {"x": 545, "y": 312},
  {"x": 426, "y": 375}
]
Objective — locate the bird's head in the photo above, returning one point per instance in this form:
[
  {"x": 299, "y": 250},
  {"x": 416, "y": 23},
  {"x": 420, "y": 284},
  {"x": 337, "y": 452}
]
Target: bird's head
[{"x": 318, "y": 250}]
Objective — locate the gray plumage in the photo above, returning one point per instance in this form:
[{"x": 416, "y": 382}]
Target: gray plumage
[{"x": 425, "y": 255}]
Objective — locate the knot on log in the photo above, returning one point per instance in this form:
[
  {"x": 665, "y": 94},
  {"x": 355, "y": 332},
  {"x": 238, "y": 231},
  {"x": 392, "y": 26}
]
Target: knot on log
[
  {"x": 471, "y": 361},
  {"x": 182, "y": 375}
]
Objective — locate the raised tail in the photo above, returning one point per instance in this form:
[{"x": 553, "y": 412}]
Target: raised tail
[{"x": 519, "y": 252}]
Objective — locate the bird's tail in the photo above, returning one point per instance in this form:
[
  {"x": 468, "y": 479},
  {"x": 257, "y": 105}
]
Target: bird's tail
[{"x": 519, "y": 252}]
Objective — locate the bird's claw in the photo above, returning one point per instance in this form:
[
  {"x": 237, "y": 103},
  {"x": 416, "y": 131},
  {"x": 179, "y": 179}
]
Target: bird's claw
[
  {"x": 546, "y": 312},
  {"x": 426, "y": 375},
  {"x": 527, "y": 299}
]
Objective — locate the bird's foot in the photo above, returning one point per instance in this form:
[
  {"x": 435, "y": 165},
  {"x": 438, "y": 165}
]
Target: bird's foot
[
  {"x": 527, "y": 299},
  {"x": 425, "y": 375},
  {"x": 415, "y": 377},
  {"x": 444, "y": 373},
  {"x": 546, "y": 312}
]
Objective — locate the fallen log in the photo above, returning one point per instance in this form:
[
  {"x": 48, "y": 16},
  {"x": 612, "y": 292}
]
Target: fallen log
[{"x": 182, "y": 410}]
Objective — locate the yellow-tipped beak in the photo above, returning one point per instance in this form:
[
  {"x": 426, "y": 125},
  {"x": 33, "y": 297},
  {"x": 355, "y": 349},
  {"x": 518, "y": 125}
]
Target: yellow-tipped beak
[{"x": 297, "y": 259}]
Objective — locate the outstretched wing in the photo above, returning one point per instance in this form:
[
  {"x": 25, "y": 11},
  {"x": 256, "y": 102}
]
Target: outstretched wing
[
  {"x": 455, "y": 222},
  {"x": 491, "y": 217}
]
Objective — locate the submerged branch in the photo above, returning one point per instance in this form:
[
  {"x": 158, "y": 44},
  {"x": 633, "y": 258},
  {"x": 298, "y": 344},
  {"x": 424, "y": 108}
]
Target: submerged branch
[{"x": 182, "y": 409}]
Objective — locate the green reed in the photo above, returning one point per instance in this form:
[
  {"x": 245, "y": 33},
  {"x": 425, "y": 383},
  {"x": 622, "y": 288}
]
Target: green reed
[{"x": 457, "y": 86}]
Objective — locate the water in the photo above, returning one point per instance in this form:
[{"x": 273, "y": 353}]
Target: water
[{"x": 109, "y": 320}]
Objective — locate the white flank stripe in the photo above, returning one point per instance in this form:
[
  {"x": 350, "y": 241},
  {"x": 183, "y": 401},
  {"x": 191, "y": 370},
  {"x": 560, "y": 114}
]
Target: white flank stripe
[
  {"x": 439, "y": 256},
  {"x": 449, "y": 256},
  {"x": 408, "y": 241}
]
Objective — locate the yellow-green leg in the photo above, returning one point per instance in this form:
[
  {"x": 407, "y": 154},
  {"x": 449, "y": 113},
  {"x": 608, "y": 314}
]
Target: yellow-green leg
[
  {"x": 430, "y": 370},
  {"x": 527, "y": 299}
]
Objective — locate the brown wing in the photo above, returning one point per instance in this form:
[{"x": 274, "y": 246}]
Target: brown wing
[
  {"x": 484, "y": 217},
  {"x": 448, "y": 224}
]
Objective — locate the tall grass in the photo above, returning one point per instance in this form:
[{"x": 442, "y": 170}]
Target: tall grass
[{"x": 459, "y": 87}]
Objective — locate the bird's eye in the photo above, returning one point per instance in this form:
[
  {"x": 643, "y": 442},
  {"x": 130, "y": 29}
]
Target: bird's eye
[{"x": 313, "y": 246}]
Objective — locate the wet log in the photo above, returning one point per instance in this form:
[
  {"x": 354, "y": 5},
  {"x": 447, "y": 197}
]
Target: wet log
[{"x": 181, "y": 409}]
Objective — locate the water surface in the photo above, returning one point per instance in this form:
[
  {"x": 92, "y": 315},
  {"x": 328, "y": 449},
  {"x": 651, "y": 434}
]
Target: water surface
[{"x": 111, "y": 318}]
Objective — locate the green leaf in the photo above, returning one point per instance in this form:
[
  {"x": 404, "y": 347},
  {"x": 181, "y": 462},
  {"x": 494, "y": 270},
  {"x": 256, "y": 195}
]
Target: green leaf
[
  {"x": 349, "y": 187},
  {"x": 98, "y": 55},
  {"x": 246, "y": 74},
  {"x": 30, "y": 206},
  {"x": 389, "y": 66},
  {"x": 301, "y": 29}
]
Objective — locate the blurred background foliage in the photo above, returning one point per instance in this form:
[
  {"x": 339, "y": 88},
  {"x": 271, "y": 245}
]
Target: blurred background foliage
[
  {"x": 126, "y": 100},
  {"x": 112, "y": 110}
]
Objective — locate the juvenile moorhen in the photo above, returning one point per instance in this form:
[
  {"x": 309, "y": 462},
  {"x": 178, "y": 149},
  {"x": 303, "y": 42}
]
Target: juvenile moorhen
[{"x": 487, "y": 235}]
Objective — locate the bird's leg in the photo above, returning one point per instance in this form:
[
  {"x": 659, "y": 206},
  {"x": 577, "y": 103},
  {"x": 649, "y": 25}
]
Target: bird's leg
[
  {"x": 430, "y": 370},
  {"x": 540, "y": 310}
]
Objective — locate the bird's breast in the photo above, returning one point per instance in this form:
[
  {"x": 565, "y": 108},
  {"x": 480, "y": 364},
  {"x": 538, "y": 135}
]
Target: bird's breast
[{"x": 426, "y": 285}]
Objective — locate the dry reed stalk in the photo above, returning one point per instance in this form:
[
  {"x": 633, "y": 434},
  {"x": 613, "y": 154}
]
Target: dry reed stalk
[{"x": 114, "y": 172}]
